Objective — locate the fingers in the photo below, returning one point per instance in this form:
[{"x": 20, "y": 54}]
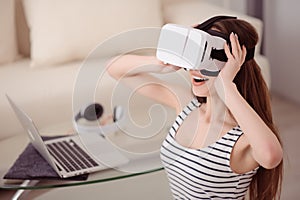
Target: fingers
[
  {"x": 234, "y": 45},
  {"x": 244, "y": 53},
  {"x": 238, "y": 52},
  {"x": 168, "y": 67},
  {"x": 227, "y": 51}
]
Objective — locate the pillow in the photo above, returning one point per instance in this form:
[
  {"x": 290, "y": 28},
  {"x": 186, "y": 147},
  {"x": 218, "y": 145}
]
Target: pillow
[
  {"x": 22, "y": 30},
  {"x": 8, "y": 42},
  {"x": 64, "y": 30}
]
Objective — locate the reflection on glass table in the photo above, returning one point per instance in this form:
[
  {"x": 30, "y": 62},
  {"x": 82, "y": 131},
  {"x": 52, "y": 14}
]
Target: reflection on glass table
[
  {"x": 139, "y": 141},
  {"x": 142, "y": 154}
]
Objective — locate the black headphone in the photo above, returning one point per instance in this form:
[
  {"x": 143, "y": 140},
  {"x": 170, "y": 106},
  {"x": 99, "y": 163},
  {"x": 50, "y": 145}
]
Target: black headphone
[
  {"x": 93, "y": 112},
  {"x": 90, "y": 112}
]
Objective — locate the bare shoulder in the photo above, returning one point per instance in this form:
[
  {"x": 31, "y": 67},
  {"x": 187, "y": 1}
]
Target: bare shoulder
[{"x": 241, "y": 160}]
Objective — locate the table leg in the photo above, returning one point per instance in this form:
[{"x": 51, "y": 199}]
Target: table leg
[{"x": 22, "y": 192}]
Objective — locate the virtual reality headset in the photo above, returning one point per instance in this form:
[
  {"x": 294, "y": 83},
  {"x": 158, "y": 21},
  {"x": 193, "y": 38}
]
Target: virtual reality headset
[{"x": 198, "y": 48}]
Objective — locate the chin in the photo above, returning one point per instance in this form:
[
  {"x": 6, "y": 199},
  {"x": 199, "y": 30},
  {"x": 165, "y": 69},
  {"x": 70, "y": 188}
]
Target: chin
[
  {"x": 201, "y": 92},
  {"x": 202, "y": 86}
]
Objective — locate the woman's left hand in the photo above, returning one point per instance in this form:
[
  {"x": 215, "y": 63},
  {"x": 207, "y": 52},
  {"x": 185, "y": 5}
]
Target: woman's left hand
[
  {"x": 235, "y": 59},
  {"x": 232, "y": 66}
]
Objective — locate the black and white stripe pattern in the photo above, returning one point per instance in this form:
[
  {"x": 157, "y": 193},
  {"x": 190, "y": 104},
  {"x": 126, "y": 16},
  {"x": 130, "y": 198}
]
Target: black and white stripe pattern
[{"x": 203, "y": 173}]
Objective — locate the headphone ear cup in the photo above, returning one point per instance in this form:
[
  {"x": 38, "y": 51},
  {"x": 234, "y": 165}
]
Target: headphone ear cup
[
  {"x": 118, "y": 113},
  {"x": 93, "y": 112}
]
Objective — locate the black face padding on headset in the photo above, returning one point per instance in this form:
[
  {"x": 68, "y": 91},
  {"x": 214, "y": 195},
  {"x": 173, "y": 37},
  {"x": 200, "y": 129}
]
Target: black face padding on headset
[{"x": 219, "y": 54}]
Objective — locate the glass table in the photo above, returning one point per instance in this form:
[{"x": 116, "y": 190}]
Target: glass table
[
  {"x": 96, "y": 177},
  {"x": 139, "y": 167},
  {"x": 142, "y": 153},
  {"x": 141, "y": 145}
]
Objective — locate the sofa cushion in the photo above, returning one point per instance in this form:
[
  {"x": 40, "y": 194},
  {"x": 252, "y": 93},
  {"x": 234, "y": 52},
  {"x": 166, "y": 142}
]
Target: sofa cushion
[
  {"x": 22, "y": 30},
  {"x": 8, "y": 44},
  {"x": 62, "y": 31}
]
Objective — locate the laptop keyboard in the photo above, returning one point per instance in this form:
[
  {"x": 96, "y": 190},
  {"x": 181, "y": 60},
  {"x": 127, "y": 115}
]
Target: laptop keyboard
[{"x": 70, "y": 156}]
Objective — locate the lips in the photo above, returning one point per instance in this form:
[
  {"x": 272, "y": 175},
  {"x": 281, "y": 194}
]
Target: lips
[{"x": 199, "y": 79}]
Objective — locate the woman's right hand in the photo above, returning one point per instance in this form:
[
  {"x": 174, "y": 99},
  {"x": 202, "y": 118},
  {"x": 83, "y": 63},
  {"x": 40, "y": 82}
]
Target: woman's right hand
[{"x": 167, "y": 67}]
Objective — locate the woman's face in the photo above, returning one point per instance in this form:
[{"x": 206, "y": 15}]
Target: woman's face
[{"x": 202, "y": 86}]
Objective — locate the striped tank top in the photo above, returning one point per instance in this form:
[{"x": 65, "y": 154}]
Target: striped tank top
[{"x": 203, "y": 173}]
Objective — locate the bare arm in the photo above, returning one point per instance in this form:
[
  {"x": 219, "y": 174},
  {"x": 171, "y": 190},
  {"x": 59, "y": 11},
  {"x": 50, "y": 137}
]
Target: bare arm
[
  {"x": 265, "y": 148},
  {"x": 134, "y": 65},
  {"x": 135, "y": 71}
]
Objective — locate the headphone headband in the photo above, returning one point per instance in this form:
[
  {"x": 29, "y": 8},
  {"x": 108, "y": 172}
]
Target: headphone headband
[{"x": 94, "y": 111}]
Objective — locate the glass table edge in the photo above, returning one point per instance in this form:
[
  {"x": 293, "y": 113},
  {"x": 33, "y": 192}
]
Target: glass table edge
[{"x": 78, "y": 183}]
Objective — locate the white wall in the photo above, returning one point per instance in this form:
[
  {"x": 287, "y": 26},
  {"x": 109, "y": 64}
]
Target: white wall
[
  {"x": 282, "y": 46},
  {"x": 236, "y": 5}
]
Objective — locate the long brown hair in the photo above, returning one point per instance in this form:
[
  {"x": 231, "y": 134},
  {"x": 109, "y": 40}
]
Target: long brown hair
[{"x": 266, "y": 184}]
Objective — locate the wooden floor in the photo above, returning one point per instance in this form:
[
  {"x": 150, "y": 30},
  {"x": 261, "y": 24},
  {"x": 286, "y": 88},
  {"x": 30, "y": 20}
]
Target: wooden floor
[{"x": 287, "y": 117}]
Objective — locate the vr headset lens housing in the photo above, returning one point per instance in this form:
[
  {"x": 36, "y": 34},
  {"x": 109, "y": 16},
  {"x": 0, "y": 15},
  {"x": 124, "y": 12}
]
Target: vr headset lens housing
[
  {"x": 199, "y": 48},
  {"x": 190, "y": 48}
]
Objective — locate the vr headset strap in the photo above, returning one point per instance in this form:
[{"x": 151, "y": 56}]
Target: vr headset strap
[
  {"x": 219, "y": 54},
  {"x": 208, "y": 23}
]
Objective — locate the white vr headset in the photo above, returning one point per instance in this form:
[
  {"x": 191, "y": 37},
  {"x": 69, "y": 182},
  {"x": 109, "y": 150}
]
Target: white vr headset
[
  {"x": 198, "y": 48},
  {"x": 93, "y": 112},
  {"x": 188, "y": 47}
]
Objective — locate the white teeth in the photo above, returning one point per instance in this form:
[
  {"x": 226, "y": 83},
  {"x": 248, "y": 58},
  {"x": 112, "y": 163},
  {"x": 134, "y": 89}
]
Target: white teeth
[{"x": 200, "y": 79}]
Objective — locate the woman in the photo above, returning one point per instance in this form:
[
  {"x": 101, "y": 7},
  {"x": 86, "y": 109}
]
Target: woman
[{"x": 223, "y": 141}]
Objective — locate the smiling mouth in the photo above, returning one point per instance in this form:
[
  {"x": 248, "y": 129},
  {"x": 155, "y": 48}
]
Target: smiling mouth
[{"x": 199, "y": 80}]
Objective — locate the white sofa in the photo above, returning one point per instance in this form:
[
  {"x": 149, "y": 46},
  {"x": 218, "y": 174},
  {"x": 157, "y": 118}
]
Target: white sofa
[{"x": 44, "y": 44}]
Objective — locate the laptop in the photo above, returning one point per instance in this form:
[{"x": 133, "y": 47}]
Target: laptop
[{"x": 68, "y": 155}]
